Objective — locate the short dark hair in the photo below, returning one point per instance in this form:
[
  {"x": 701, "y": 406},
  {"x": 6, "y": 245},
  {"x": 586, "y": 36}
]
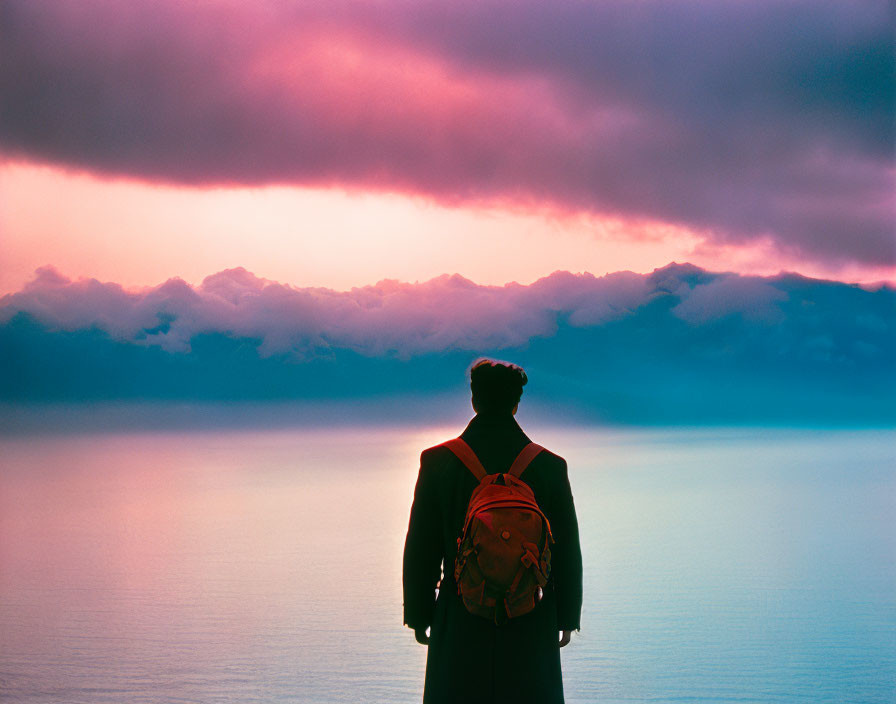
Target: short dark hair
[{"x": 497, "y": 386}]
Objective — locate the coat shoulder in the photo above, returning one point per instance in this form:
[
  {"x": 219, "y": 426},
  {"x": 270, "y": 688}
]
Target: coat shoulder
[
  {"x": 436, "y": 453},
  {"x": 436, "y": 457},
  {"x": 547, "y": 471},
  {"x": 551, "y": 459}
]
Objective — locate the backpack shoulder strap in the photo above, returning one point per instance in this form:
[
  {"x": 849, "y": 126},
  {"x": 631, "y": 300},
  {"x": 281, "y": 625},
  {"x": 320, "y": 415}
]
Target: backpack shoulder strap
[
  {"x": 466, "y": 455},
  {"x": 524, "y": 458}
]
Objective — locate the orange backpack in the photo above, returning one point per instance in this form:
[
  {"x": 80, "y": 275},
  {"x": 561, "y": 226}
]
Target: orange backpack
[{"x": 503, "y": 553}]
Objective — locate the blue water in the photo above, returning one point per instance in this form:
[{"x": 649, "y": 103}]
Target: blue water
[{"x": 247, "y": 566}]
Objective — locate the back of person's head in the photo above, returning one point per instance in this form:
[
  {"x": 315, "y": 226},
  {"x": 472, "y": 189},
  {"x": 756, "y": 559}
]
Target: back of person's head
[{"x": 497, "y": 386}]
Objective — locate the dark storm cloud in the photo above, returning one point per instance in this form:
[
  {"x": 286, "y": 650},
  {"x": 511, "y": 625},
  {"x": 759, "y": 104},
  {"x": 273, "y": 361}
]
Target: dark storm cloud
[{"x": 739, "y": 120}]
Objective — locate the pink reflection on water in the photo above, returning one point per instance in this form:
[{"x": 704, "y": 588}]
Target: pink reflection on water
[{"x": 192, "y": 553}]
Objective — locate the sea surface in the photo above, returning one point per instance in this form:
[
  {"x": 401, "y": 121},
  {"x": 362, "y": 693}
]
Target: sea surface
[{"x": 721, "y": 565}]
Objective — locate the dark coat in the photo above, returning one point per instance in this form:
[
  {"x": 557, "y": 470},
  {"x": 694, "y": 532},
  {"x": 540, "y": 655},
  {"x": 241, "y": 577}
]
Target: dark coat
[{"x": 470, "y": 659}]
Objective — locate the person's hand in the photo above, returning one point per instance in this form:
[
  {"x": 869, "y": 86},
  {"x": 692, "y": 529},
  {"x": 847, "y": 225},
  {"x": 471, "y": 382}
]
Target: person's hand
[
  {"x": 565, "y": 637},
  {"x": 421, "y": 636}
]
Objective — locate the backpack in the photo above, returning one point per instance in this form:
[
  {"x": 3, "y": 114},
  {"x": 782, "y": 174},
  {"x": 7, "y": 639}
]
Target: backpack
[{"x": 503, "y": 554}]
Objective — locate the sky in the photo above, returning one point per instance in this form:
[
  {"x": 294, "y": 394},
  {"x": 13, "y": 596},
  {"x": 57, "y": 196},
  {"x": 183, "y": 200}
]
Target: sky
[
  {"x": 344, "y": 143},
  {"x": 668, "y": 212}
]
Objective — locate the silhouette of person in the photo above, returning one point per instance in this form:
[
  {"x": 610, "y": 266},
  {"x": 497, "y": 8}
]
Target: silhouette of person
[{"x": 470, "y": 659}]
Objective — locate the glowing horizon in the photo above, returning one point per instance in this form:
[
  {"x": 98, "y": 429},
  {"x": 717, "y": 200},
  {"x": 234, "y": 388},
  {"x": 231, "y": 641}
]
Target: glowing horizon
[{"x": 139, "y": 234}]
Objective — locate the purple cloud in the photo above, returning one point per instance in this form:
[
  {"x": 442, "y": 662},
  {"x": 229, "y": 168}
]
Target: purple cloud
[{"x": 740, "y": 120}]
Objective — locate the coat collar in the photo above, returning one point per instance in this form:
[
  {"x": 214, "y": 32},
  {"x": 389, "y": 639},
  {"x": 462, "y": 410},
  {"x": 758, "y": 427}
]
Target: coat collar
[
  {"x": 496, "y": 440},
  {"x": 502, "y": 425}
]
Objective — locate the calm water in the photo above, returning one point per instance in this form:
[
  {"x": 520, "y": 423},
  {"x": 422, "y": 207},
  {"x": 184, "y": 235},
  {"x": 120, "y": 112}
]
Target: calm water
[{"x": 740, "y": 565}]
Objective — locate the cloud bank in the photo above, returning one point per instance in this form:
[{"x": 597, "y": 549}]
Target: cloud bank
[
  {"x": 681, "y": 344},
  {"x": 742, "y": 121}
]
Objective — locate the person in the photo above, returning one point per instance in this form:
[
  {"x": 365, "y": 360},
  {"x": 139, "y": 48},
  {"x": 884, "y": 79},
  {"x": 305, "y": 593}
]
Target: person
[{"x": 471, "y": 659}]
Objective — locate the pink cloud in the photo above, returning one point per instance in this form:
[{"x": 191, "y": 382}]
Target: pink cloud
[
  {"x": 741, "y": 121},
  {"x": 391, "y": 318}
]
